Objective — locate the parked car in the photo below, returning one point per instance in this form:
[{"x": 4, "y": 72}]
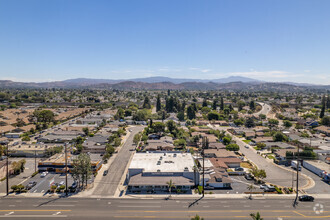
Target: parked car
[
  {"x": 105, "y": 172},
  {"x": 31, "y": 185},
  {"x": 43, "y": 174},
  {"x": 306, "y": 198},
  {"x": 269, "y": 189},
  {"x": 263, "y": 186},
  {"x": 239, "y": 169},
  {"x": 246, "y": 146},
  {"x": 61, "y": 183},
  {"x": 248, "y": 176}
]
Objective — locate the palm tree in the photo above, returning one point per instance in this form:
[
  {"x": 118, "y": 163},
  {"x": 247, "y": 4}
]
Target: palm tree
[
  {"x": 250, "y": 188},
  {"x": 170, "y": 185},
  {"x": 197, "y": 218},
  {"x": 256, "y": 216}
]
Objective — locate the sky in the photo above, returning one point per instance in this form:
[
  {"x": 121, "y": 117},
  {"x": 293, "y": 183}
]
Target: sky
[{"x": 271, "y": 40}]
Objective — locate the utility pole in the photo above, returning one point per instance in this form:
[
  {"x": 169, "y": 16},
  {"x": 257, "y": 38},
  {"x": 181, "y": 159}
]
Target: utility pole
[
  {"x": 203, "y": 146},
  {"x": 297, "y": 184},
  {"x": 35, "y": 161},
  {"x": 66, "y": 170},
  {"x": 7, "y": 171}
]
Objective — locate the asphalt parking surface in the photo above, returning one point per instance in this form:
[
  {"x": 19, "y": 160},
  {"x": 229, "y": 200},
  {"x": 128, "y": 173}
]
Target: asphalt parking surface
[{"x": 43, "y": 183}]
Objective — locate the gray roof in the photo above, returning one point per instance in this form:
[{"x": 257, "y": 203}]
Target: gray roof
[{"x": 139, "y": 180}]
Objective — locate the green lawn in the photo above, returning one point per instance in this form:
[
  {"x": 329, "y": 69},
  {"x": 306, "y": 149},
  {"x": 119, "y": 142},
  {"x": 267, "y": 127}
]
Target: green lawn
[
  {"x": 270, "y": 156},
  {"x": 247, "y": 141}
]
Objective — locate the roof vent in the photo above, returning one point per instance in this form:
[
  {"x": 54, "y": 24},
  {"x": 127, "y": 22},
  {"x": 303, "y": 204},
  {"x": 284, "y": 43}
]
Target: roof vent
[
  {"x": 158, "y": 163},
  {"x": 186, "y": 169},
  {"x": 158, "y": 170}
]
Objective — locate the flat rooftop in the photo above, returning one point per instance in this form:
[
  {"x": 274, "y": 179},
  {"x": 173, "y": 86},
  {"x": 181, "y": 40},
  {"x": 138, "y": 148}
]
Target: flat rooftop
[{"x": 165, "y": 162}]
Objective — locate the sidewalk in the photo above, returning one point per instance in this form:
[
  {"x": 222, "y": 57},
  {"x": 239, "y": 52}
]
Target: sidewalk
[{"x": 173, "y": 196}]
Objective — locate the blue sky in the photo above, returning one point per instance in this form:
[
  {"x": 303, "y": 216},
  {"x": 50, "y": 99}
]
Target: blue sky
[{"x": 272, "y": 40}]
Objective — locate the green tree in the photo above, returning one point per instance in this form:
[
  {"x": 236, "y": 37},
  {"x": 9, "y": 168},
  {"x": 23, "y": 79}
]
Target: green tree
[
  {"x": 222, "y": 106},
  {"x": 137, "y": 138},
  {"x": 252, "y": 105},
  {"x": 256, "y": 216},
  {"x": 214, "y": 106},
  {"x": 323, "y": 107},
  {"x": 82, "y": 169},
  {"x": 287, "y": 123},
  {"x": 226, "y": 140},
  {"x": 86, "y": 131},
  {"x": 213, "y": 115},
  {"x": 249, "y": 123},
  {"x": 204, "y": 104},
  {"x": 325, "y": 121},
  {"x": 158, "y": 104},
  {"x": 196, "y": 217},
  {"x": 232, "y": 147},
  {"x": 170, "y": 185},
  {"x": 191, "y": 112},
  {"x": 146, "y": 103},
  {"x": 171, "y": 126},
  {"x": 250, "y": 188},
  {"x": 279, "y": 136},
  {"x": 158, "y": 127},
  {"x": 180, "y": 116}
]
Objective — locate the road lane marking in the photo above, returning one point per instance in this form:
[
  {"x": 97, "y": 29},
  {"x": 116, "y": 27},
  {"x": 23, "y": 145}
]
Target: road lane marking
[
  {"x": 9, "y": 213},
  {"x": 57, "y": 213},
  {"x": 35, "y": 210},
  {"x": 34, "y": 216},
  {"x": 12, "y": 205},
  {"x": 54, "y": 205},
  {"x": 138, "y": 206}
]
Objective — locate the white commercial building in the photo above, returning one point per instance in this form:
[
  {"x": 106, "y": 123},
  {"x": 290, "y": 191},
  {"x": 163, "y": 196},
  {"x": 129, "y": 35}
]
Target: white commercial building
[{"x": 150, "y": 172}]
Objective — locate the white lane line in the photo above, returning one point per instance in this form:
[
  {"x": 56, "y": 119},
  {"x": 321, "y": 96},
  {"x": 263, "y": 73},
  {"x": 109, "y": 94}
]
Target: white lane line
[
  {"x": 246, "y": 206},
  {"x": 262, "y": 201},
  {"x": 223, "y": 202},
  {"x": 57, "y": 213},
  {"x": 139, "y": 206},
  {"x": 287, "y": 206},
  {"x": 226, "y": 206},
  {"x": 34, "y": 216},
  {"x": 266, "y": 206},
  {"x": 9, "y": 213},
  {"x": 243, "y": 202},
  {"x": 206, "y": 206},
  {"x": 144, "y": 202},
  {"x": 54, "y": 205},
  {"x": 12, "y": 205}
]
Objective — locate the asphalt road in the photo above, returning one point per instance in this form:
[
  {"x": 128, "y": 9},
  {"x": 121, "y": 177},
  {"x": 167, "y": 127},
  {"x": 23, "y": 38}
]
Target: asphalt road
[
  {"x": 265, "y": 109},
  {"x": 109, "y": 183},
  {"x": 78, "y": 208}
]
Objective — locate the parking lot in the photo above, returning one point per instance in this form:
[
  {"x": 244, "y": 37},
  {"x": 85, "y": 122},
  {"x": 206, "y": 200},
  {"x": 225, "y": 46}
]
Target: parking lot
[
  {"x": 239, "y": 186},
  {"x": 43, "y": 183}
]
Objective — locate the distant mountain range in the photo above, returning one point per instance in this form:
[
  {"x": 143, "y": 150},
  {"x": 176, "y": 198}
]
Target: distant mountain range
[
  {"x": 229, "y": 83},
  {"x": 159, "y": 79}
]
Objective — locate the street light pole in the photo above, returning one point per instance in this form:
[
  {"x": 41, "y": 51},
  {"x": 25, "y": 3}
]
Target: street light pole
[{"x": 203, "y": 145}]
